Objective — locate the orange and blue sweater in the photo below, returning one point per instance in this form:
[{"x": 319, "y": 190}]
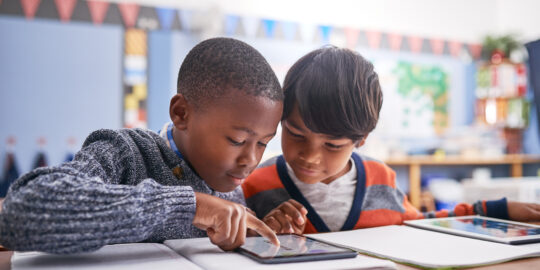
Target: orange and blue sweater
[{"x": 377, "y": 200}]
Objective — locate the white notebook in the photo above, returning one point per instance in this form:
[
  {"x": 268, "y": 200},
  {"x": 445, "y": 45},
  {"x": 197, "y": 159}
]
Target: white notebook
[
  {"x": 185, "y": 254},
  {"x": 427, "y": 248},
  {"x": 140, "y": 256}
]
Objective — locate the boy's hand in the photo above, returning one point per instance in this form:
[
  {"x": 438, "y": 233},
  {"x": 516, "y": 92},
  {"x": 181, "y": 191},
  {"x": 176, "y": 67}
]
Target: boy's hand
[
  {"x": 519, "y": 211},
  {"x": 226, "y": 222},
  {"x": 288, "y": 217}
]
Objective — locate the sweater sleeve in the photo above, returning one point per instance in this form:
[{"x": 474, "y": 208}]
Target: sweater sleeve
[
  {"x": 494, "y": 208},
  {"x": 83, "y": 205}
]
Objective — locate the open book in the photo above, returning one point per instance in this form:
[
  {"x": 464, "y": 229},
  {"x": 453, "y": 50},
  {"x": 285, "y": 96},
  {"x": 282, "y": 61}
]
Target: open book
[
  {"x": 185, "y": 254},
  {"x": 427, "y": 248}
]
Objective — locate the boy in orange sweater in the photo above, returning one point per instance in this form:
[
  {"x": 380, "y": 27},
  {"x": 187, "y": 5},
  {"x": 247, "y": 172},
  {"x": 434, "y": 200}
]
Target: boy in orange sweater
[{"x": 332, "y": 102}]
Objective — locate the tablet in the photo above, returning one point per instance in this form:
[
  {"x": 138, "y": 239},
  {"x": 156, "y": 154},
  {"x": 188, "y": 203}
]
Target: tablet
[
  {"x": 293, "y": 248},
  {"x": 485, "y": 228}
]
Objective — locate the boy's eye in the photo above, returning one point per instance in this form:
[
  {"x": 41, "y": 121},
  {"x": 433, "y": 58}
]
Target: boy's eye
[
  {"x": 235, "y": 143},
  {"x": 334, "y": 146},
  {"x": 262, "y": 144},
  {"x": 294, "y": 134}
]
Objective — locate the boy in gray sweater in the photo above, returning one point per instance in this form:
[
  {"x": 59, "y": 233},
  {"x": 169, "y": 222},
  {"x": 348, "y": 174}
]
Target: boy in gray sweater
[{"x": 134, "y": 185}]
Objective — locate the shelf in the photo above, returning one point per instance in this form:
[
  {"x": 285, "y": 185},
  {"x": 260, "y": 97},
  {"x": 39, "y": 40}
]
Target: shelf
[
  {"x": 459, "y": 160},
  {"x": 415, "y": 162}
]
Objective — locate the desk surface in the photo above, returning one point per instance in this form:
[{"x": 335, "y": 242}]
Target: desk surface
[{"x": 532, "y": 263}]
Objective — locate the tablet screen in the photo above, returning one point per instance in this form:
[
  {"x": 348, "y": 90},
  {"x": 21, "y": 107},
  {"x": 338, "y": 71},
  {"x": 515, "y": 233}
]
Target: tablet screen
[
  {"x": 291, "y": 245},
  {"x": 487, "y": 227}
]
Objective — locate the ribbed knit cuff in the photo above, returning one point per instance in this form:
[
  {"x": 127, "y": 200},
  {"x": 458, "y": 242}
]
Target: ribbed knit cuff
[
  {"x": 497, "y": 209},
  {"x": 180, "y": 205}
]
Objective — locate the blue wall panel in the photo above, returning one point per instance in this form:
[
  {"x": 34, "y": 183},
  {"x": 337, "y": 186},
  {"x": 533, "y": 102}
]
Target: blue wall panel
[{"x": 57, "y": 81}]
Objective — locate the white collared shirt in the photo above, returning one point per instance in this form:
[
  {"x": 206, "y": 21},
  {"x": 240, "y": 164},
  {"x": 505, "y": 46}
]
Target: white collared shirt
[{"x": 332, "y": 201}]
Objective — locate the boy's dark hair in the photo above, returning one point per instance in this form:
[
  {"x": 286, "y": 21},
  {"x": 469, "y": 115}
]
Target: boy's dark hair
[
  {"x": 216, "y": 66},
  {"x": 337, "y": 93}
]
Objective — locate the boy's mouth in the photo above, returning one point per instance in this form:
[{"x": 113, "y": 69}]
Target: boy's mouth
[
  {"x": 238, "y": 179},
  {"x": 306, "y": 171}
]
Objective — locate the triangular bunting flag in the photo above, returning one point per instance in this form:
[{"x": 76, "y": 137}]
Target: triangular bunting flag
[
  {"x": 98, "y": 10},
  {"x": 186, "y": 17},
  {"x": 455, "y": 48},
  {"x": 231, "y": 23},
  {"x": 269, "y": 27},
  {"x": 307, "y": 32},
  {"x": 129, "y": 12},
  {"x": 289, "y": 30},
  {"x": 395, "y": 41},
  {"x": 351, "y": 35},
  {"x": 415, "y": 43},
  {"x": 475, "y": 50},
  {"x": 166, "y": 17},
  {"x": 325, "y": 32},
  {"x": 11, "y": 173},
  {"x": 65, "y": 9},
  {"x": 251, "y": 25},
  {"x": 437, "y": 46},
  {"x": 30, "y": 7},
  {"x": 147, "y": 18},
  {"x": 374, "y": 39}
]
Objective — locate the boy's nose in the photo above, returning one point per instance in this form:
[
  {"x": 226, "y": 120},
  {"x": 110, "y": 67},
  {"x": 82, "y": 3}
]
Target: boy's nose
[
  {"x": 310, "y": 154},
  {"x": 248, "y": 157}
]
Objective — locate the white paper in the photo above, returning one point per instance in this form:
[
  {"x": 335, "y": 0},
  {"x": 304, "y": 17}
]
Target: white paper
[
  {"x": 203, "y": 253},
  {"x": 426, "y": 248},
  {"x": 139, "y": 256}
]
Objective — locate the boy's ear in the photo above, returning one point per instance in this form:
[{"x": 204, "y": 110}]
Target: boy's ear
[
  {"x": 362, "y": 141},
  {"x": 179, "y": 111}
]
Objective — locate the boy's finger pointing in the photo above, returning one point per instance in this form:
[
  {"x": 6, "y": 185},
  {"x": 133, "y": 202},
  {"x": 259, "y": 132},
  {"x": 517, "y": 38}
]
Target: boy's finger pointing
[{"x": 256, "y": 224}]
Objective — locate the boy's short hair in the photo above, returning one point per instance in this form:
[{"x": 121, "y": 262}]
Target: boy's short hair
[
  {"x": 337, "y": 92},
  {"x": 216, "y": 66}
]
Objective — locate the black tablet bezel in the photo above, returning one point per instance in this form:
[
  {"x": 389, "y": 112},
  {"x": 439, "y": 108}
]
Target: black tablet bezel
[{"x": 346, "y": 253}]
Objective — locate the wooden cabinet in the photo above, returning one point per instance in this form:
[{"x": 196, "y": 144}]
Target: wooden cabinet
[{"x": 415, "y": 164}]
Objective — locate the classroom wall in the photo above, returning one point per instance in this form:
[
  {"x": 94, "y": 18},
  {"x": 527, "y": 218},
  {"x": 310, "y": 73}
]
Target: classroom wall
[
  {"x": 76, "y": 67},
  {"x": 461, "y": 19},
  {"x": 57, "y": 81},
  {"x": 167, "y": 50}
]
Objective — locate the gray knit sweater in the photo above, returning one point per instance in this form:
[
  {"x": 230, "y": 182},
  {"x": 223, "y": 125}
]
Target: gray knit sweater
[{"x": 119, "y": 188}]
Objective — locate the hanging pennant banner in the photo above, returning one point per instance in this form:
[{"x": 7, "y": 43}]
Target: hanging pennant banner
[
  {"x": 455, "y": 48},
  {"x": 437, "y": 46},
  {"x": 30, "y": 7},
  {"x": 98, "y": 10},
  {"x": 307, "y": 32},
  {"x": 475, "y": 50},
  {"x": 289, "y": 30},
  {"x": 269, "y": 27},
  {"x": 129, "y": 12},
  {"x": 415, "y": 43},
  {"x": 395, "y": 41},
  {"x": 166, "y": 17},
  {"x": 186, "y": 17},
  {"x": 374, "y": 39},
  {"x": 325, "y": 33},
  {"x": 351, "y": 35},
  {"x": 65, "y": 9},
  {"x": 251, "y": 25},
  {"x": 231, "y": 24}
]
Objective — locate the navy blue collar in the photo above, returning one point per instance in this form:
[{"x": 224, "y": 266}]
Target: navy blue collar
[
  {"x": 316, "y": 220},
  {"x": 171, "y": 141}
]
